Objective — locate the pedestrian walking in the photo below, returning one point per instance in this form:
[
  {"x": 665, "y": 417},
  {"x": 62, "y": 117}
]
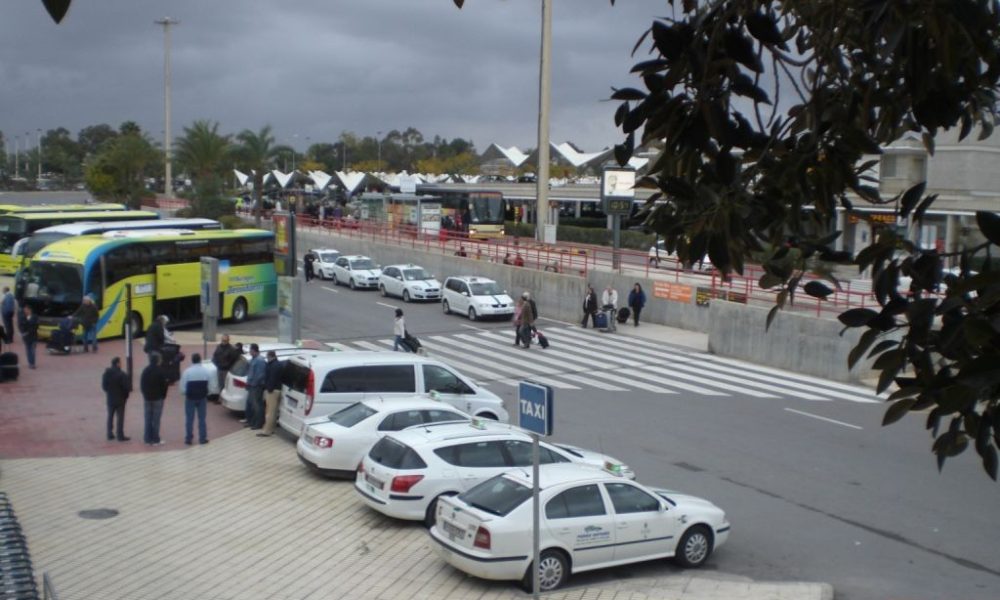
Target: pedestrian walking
[
  {"x": 7, "y": 311},
  {"x": 194, "y": 386},
  {"x": 28, "y": 325},
  {"x": 116, "y": 388},
  {"x": 253, "y": 415},
  {"x": 589, "y": 307},
  {"x": 528, "y": 314},
  {"x": 399, "y": 332},
  {"x": 636, "y": 300},
  {"x": 224, "y": 357},
  {"x": 153, "y": 385},
  {"x": 609, "y": 304},
  {"x": 307, "y": 265},
  {"x": 272, "y": 392},
  {"x": 518, "y": 311},
  {"x": 88, "y": 315}
]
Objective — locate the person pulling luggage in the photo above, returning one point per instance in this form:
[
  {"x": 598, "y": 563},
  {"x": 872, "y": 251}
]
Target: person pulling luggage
[{"x": 399, "y": 331}]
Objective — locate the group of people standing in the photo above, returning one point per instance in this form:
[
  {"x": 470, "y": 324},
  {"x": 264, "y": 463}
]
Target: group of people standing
[
  {"x": 27, "y": 325},
  {"x": 263, "y": 392},
  {"x": 609, "y": 304}
]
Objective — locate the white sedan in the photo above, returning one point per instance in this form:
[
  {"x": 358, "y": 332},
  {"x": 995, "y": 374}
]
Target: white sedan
[
  {"x": 356, "y": 272},
  {"x": 409, "y": 282},
  {"x": 334, "y": 445},
  {"x": 323, "y": 265},
  {"x": 590, "y": 519}
]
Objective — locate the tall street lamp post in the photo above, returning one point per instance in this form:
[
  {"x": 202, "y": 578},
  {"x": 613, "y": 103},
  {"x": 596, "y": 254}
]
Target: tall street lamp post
[
  {"x": 379, "y": 163},
  {"x": 39, "y": 155},
  {"x": 17, "y": 156},
  {"x": 168, "y": 184},
  {"x": 544, "y": 87}
]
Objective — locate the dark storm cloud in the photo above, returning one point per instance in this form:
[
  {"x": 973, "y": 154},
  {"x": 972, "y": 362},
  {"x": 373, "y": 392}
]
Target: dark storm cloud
[{"x": 315, "y": 68}]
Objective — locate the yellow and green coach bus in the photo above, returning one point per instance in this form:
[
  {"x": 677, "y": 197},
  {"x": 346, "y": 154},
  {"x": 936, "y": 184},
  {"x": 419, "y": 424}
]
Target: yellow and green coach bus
[
  {"x": 21, "y": 209},
  {"x": 14, "y": 226},
  {"x": 164, "y": 270}
]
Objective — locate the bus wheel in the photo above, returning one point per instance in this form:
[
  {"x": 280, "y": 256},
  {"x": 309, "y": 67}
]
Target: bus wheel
[
  {"x": 239, "y": 310},
  {"x": 136, "y": 325}
]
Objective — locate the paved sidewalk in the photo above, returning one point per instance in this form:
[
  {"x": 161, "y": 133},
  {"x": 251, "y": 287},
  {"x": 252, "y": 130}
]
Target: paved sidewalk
[{"x": 242, "y": 519}]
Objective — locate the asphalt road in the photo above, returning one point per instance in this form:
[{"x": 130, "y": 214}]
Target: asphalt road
[{"x": 841, "y": 500}]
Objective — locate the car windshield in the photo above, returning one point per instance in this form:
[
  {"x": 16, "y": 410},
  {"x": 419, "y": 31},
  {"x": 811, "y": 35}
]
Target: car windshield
[
  {"x": 362, "y": 263},
  {"x": 497, "y": 496},
  {"x": 486, "y": 288},
  {"x": 52, "y": 289},
  {"x": 328, "y": 257},
  {"x": 416, "y": 275},
  {"x": 352, "y": 415}
]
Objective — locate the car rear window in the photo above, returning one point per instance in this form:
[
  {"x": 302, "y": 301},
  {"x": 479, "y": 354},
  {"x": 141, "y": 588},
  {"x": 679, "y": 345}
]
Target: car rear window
[
  {"x": 296, "y": 377},
  {"x": 352, "y": 415},
  {"x": 395, "y": 455},
  {"x": 240, "y": 368},
  {"x": 498, "y": 495}
]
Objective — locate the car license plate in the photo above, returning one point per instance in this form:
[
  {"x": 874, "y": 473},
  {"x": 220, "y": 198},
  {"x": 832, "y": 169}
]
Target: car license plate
[
  {"x": 453, "y": 531},
  {"x": 374, "y": 481}
]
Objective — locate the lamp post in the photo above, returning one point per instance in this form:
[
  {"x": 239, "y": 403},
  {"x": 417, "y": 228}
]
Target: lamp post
[
  {"x": 544, "y": 86},
  {"x": 378, "y": 167},
  {"x": 17, "y": 156},
  {"x": 168, "y": 184},
  {"x": 39, "y": 156}
]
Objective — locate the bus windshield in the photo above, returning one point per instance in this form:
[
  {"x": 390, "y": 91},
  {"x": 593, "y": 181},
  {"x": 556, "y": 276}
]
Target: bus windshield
[
  {"x": 486, "y": 209},
  {"x": 11, "y": 230},
  {"x": 52, "y": 289},
  {"x": 38, "y": 241}
]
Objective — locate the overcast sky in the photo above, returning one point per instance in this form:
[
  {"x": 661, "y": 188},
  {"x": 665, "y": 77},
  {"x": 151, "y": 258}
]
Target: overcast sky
[{"x": 315, "y": 68}]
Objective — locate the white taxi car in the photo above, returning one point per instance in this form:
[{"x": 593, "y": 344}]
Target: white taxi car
[
  {"x": 406, "y": 472},
  {"x": 334, "y": 445},
  {"x": 409, "y": 282},
  {"x": 590, "y": 519},
  {"x": 658, "y": 254},
  {"x": 476, "y": 297},
  {"x": 323, "y": 265},
  {"x": 356, "y": 272},
  {"x": 234, "y": 391}
]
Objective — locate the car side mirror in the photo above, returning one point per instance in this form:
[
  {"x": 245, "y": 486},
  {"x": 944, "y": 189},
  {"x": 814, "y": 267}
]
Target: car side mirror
[
  {"x": 465, "y": 293},
  {"x": 663, "y": 507}
]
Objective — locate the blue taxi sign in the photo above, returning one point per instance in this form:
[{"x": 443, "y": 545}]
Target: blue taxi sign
[{"x": 534, "y": 407}]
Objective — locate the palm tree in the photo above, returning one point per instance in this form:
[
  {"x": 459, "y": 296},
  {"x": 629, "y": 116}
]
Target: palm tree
[
  {"x": 205, "y": 155},
  {"x": 256, "y": 151}
]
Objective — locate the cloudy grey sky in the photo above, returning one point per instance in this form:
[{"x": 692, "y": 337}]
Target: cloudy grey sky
[{"x": 316, "y": 68}]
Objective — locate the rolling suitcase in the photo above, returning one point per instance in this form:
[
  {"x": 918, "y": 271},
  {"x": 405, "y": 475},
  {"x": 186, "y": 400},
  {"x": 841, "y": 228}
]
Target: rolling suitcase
[
  {"x": 623, "y": 314},
  {"x": 542, "y": 340},
  {"x": 601, "y": 320},
  {"x": 8, "y": 366}
]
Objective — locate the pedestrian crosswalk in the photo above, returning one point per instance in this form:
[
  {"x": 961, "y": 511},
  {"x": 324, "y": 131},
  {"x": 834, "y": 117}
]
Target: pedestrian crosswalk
[{"x": 581, "y": 359}]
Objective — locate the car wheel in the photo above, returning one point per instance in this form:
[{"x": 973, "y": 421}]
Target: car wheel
[
  {"x": 334, "y": 278},
  {"x": 472, "y": 314},
  {"x": 350, "y": 283},
  {"x": 239, "y": 310},
  {"x": 694, "y": 548},
  {"x": 445, "y": 307},
  {"x": 553, "y": 569},
  {"x": 381, "y": 290},
  {"x": 136, "y": 325},
  {"x": 488, "y": 415},
  {"x": 431, "y": 514},
  {"x": 406, "y": 295}
]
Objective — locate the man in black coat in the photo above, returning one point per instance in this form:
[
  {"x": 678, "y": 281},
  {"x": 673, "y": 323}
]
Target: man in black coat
[
  {"x": 156, "y": 336},
  {"x": 153, "y": 384},
  {"x": 224, "y": 357},
  {"x": 116, "y": 386}
]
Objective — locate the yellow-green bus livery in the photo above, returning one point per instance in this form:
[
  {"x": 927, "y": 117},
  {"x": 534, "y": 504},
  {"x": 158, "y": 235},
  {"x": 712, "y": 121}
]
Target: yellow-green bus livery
[
  {"x": 164, "y": 270},
  {"x": 14, "y": 226},
  {"x": 37, "y": 208}
]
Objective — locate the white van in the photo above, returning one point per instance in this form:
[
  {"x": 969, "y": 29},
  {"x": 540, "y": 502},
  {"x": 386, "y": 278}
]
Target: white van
[{"x": 323, "y": 384}]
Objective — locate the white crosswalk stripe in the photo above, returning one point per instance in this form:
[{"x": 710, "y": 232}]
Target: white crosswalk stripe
[{"x": 618, "y": 363}]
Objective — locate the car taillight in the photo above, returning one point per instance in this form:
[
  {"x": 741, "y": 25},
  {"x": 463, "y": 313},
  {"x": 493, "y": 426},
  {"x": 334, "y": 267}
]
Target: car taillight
[
  {"x": 403, "y": 483},
  {"x": 482, "y": 538},
  {"x": 361, "y": 466},
  {"x": 239, "y": 383},
  {"x": 323, "y": 442},
  {"x": 310, "y": 391}
]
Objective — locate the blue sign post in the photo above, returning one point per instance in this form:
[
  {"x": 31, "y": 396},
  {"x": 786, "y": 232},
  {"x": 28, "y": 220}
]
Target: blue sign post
[{"x": 534, "y": 409}]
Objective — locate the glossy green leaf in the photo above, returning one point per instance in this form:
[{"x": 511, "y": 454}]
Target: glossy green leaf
[
  {"x": 897, "y": 410},
  {"x": 857, "y": 317},
  {"x": 989, "y": 224},
  {"x": 817, "y": 289}
]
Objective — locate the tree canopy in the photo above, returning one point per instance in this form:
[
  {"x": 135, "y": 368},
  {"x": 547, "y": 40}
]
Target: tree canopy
[{"x": 767, "y": 109}]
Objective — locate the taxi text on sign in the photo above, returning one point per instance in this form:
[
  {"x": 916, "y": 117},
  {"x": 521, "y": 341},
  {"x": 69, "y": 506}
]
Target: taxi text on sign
[{"x": 534, "y": 406}]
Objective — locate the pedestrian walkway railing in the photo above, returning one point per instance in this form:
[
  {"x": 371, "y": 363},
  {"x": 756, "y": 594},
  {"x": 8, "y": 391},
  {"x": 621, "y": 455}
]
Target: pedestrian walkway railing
[{"x": 579, "y": 260}]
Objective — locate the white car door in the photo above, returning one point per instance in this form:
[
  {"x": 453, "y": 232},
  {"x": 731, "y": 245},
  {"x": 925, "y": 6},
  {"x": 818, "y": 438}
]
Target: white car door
[
  {"x": 449, "y": 386},
  {"x": 342, "y": 270},
  {"x": 579, "y": 518},
  {"x": 643, "y": 530},
  {"x": 394, "y": 282}
]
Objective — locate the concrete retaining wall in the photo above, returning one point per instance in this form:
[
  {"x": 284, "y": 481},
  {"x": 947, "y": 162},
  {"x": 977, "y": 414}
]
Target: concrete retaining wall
[{"x": 795, "y": 342}]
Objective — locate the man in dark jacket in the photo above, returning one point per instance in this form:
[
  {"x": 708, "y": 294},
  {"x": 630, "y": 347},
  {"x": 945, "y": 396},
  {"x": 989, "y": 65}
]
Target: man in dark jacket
[
  {"x": 589, "y": 307},
  {"x": 224, "y": 357},
  {"x": 28, "y": 324},
  {"x": 116, "y": 386},
  {"x": 88, "y": 315},
  {"x": 156, "y": 336},
  {"x": 153, "y": 384},
  {"x": 272, "y": 392}
]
